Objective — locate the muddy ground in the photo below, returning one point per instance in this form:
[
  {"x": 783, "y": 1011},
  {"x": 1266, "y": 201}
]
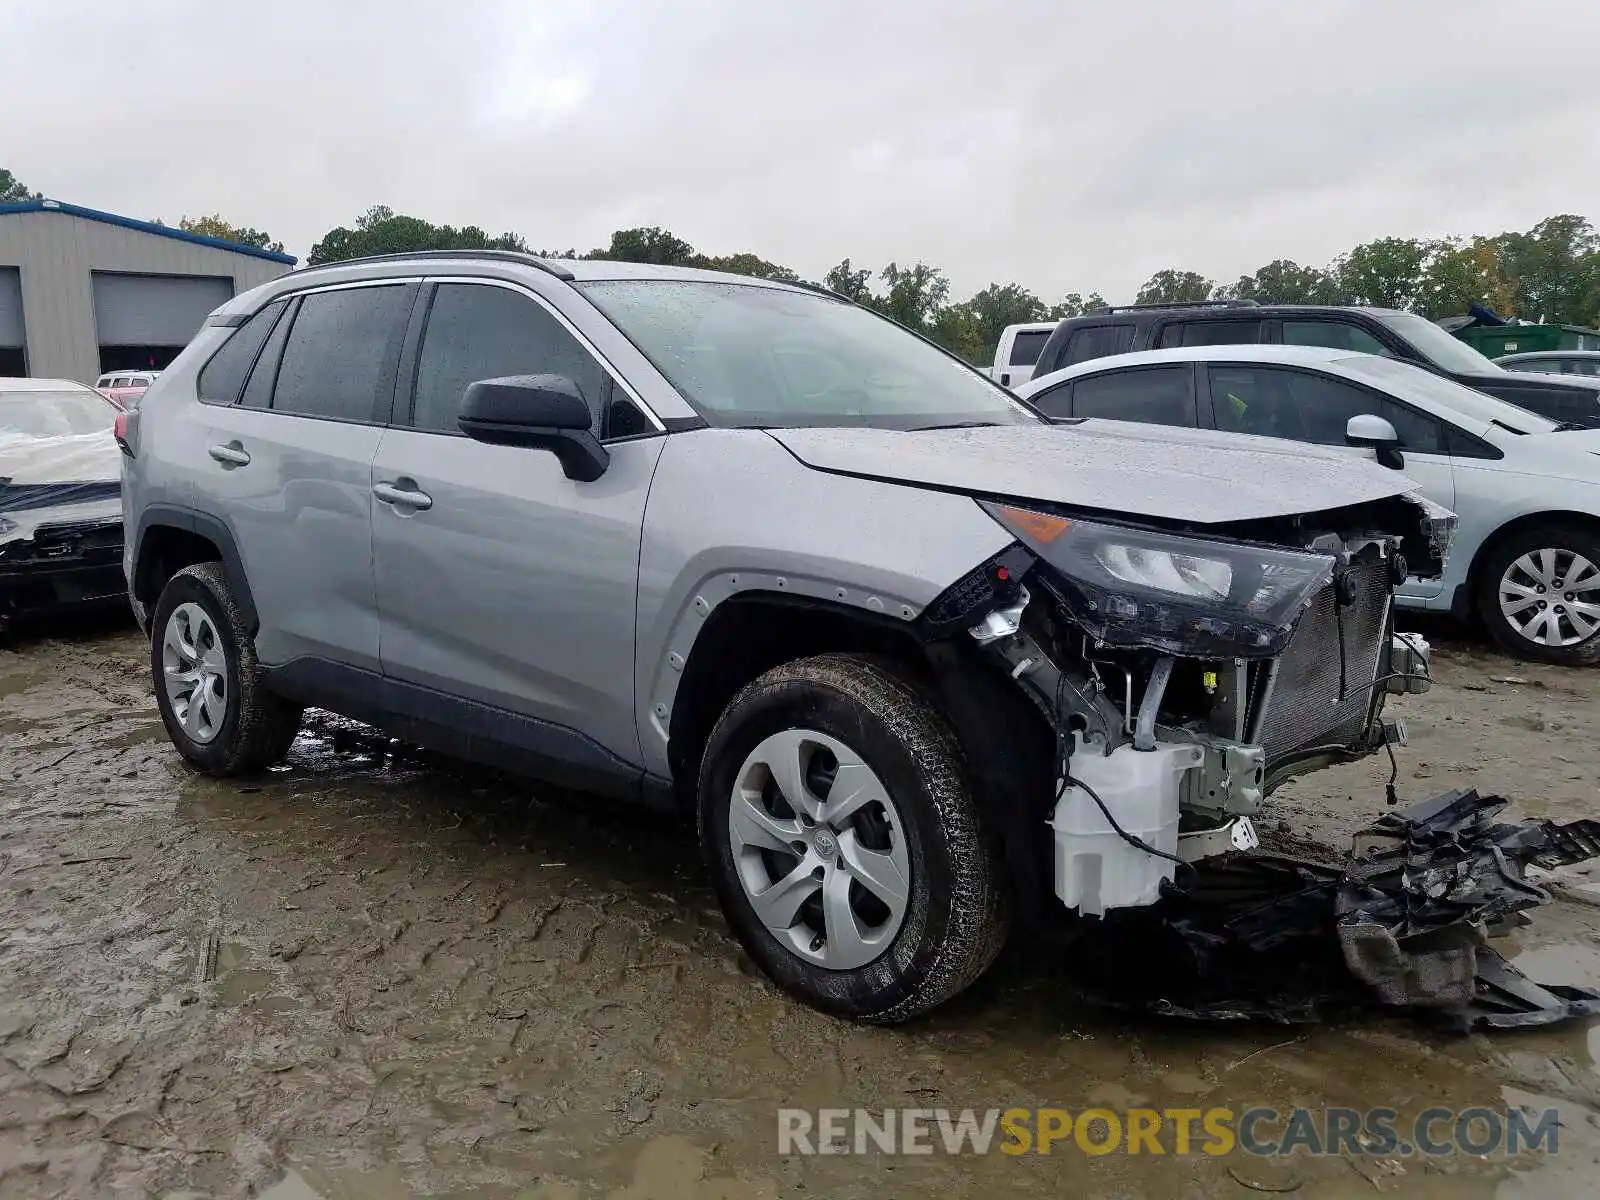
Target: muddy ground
[{"x": 359, "y": 977}]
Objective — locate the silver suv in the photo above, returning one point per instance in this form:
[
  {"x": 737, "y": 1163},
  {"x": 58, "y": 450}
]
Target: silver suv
[{"x": 921, "y": 665}]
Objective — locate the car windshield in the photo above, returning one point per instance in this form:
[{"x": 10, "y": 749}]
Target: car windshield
[
  {"x": 1438, "y": 347},
  {"x": 1404, "y": 379},
  {"x": 53, "y": 414},
  {"x": 759, "y": 357}
]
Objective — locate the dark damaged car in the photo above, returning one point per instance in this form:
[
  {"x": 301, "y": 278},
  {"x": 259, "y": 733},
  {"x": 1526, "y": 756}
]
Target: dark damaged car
[
  {"x": 60, "y": 511},
  {"x": 921, "y": 665}
]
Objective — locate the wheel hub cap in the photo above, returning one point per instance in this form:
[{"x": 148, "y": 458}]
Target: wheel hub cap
[
  {"x": 820, "y": 849},
  {"x": 194, "y": 671},
  {"x": 1552, "y": 597}
]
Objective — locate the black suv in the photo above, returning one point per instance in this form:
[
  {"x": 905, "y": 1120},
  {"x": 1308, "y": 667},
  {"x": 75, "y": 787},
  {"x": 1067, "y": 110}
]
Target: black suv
[{"x": 1385, "y": 331}]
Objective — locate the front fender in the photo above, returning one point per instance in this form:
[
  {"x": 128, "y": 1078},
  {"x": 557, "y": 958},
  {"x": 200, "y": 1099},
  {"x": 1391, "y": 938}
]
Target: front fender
[{"x": 731, "y": 511}]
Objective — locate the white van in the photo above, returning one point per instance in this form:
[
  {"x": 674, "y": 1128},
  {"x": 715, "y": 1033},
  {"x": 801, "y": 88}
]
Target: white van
[{"x": 1017, "y": 352}]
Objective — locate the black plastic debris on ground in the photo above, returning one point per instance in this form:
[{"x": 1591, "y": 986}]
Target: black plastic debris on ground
[{"x": 1403, "y": 924}]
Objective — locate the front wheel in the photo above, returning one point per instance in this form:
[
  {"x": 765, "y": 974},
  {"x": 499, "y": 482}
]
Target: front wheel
[
  {"x": 844, "y": 843},
  {"x": 1539, "y": 594}
]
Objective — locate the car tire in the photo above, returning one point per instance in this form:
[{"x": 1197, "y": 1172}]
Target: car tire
[
  {"x": 207, "y": 682},
  {"x": 1559, "y": 624},
  {"x": 908, "y": 826}
]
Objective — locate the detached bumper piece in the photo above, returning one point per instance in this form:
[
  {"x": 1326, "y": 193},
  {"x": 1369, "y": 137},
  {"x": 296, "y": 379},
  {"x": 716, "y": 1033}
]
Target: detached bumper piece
[{"x": 1404, "y": 924}]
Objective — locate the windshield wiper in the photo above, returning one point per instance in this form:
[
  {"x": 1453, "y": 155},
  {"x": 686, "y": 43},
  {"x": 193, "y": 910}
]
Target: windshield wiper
[
  {"x": 955, "y": 425},
  {"x": 1570, "y": 427}
]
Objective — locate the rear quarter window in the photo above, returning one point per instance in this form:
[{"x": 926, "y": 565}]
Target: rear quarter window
[{"x": 222, "y": 379}]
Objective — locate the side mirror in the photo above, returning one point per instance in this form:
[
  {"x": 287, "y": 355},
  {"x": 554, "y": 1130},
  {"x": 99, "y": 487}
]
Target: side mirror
[
  {"x": 1376, "y": 433},
  {"x": 545, "y": 412}
]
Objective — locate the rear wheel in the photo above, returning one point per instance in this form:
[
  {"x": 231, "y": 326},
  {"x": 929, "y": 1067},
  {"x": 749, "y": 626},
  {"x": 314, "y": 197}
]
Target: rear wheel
[
  {"x": 844, "y": 843},
  {"x": 1539, "y": 594},
  {"x": 207, "y": 681}
]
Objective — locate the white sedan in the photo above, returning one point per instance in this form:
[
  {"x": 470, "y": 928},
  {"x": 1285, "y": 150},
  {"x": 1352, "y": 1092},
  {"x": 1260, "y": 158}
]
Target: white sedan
[{"x": 1526, "y": 555}]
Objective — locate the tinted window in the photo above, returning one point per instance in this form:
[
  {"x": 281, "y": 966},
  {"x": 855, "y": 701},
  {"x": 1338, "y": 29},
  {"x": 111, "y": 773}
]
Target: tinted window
[
  {"x": 1211, "y": 333},
  {"x": 1054, "y": 402},
  {"x": 1025, "y": 349},
  {"x": 1338, "y": 335},
  {"x": 1157, "y": 395},
  {"x": 222, "y": 379},
  {"x": 481, "y": 332},
  {"x": 1580, "y": 366},
  {"x": 1541, "y": 366},
  {"x": 1308, "y": 408},
  {"x": 1097, "y": 341},
  {"x": 258, "y": 389},
  {"x": 336, "y": 358}
]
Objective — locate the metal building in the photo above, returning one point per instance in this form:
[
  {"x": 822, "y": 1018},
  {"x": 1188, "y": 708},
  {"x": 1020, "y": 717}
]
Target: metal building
[{"x": 83, "y": 292}]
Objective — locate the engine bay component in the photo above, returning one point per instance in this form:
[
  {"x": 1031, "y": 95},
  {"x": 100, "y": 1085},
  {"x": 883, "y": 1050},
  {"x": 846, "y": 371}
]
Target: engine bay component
[{"x": 1116, "y": 826}]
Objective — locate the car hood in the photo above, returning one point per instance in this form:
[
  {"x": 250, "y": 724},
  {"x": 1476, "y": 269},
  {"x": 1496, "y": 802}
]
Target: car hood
[{"x": 1194, "y": 476}]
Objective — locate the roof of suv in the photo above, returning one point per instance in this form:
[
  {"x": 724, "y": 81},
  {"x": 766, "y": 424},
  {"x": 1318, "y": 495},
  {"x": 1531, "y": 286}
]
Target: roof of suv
[
  {"x": 570, "y": 269},
  {"x": 1229, "y": 308}
]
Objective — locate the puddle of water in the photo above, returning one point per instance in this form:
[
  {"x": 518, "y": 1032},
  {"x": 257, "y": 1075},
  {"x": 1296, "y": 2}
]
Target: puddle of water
[
  {"x": 316, "y": 1184},
  {"x": 238, "y": 987},
  {"x": 1571, "y": 963}
]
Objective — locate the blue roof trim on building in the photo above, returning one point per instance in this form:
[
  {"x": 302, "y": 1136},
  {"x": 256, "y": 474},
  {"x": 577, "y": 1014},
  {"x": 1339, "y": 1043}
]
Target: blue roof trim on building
[{"x": 181, "y": 235}]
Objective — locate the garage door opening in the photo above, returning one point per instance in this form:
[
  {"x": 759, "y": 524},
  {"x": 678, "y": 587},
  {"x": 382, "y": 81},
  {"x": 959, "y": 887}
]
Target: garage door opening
[
  {"x": 142, "y": 322},
  {"x": 12, "y": 359},
  {"x": 137, "y": 358}
]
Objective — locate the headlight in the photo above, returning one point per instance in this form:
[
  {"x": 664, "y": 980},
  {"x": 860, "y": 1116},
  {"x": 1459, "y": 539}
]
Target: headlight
[{"x": 1181, "y": 595}]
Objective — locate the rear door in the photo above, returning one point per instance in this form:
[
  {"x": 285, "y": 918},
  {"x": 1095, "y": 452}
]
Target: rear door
[
  {"x": 1307, "y": 406},
  {"x": 504, "y": 584},
  {"x": 289, "y": 464}
]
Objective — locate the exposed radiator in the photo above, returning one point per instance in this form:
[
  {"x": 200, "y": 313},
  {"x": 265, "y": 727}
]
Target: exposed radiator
[{"x": 1305, "y": 708}]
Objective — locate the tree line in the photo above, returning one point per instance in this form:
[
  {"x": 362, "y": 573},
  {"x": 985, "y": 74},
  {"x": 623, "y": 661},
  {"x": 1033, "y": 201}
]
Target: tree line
[{"x": 1548, "y": 273}]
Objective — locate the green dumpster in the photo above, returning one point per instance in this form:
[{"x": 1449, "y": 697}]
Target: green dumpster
[{"x": 1492, "y": 341}]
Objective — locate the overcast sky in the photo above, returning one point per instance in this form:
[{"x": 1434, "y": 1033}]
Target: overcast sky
[{"x": 1068, "y": 146}]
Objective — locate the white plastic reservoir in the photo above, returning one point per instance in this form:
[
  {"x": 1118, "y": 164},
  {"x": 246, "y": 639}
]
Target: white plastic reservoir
[{"x": 1096, "y": 869}]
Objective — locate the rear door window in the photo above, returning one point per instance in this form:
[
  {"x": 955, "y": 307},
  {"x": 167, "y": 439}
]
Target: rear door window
[
  {"x": 1274, "y": 402},
  {"x": 341, "y": 351},
  {"x": 222, "y": 379},
  {"x": 1097, "y": 341},
  {"x": 1339, "y": 335},
  {"x": 1154, "y": 395},
  {"x": 1211, "y": 333}
]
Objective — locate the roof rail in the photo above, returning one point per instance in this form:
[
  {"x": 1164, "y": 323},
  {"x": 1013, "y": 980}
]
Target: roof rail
[
  {"x": 1183, "y": 304},
  {"x": 516, "y": 256}
]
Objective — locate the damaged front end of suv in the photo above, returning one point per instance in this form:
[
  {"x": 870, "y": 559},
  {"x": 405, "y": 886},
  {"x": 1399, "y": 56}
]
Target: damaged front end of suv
[{"x": 1185, "y": 675}]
